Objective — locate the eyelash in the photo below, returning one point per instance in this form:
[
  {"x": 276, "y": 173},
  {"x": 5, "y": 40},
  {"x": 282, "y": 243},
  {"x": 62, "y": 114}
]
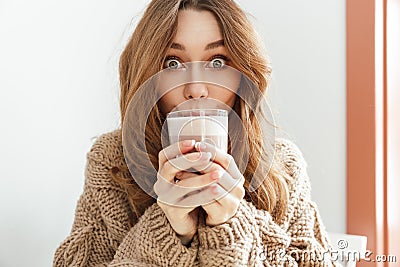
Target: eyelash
[{"x": 223, "y": 57}]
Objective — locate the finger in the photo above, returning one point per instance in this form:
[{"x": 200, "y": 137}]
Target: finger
[
  {"x": 212, "y": 193},
  {"x": 164, "y": 187},
  {"x": 238, "y": 192},
  {"x": 178, "y": 211},
  {"x": 196, "y": 161},
  {"x": 172, "y": 194},
  {"x": 227, "y": 182},
  {"x": 224, "y": 197},
  {"x": 198, "y": 197},
  {"x": 173, "y": 150},
  {"x": 226, "y": 202},
  {"x": 169, "y": 170},
  {"x": 182, "y": 175},
  {"x": 211, "y": 166},
  {"x": 221, "y": 157},
  {"x": 223, "y": 177},
  {"x": 198, "y": 181},
  {"x": 214, "y": 207}
]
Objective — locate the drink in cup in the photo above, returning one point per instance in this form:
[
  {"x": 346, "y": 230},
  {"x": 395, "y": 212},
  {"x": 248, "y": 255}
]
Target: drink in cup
[{"x": 202, "y": 125}]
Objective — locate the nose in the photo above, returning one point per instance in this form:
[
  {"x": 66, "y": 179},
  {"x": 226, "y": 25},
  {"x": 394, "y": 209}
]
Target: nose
[{"x": 195, "y": 91}]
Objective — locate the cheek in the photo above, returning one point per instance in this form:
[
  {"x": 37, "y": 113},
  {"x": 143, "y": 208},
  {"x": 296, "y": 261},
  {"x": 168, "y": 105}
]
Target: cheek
[
  {"x": 169, "y": 100},
  {"x": 165, "y": 103},
  {"x": 231, "y": 80},
  {"x": 222, "y": 94}
]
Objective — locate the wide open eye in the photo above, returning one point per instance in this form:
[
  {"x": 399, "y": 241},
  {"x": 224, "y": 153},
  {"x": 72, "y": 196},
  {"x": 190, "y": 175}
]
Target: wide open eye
[
  {"x": 173, "y": 63},
  {"x": 218, "y": 62}
]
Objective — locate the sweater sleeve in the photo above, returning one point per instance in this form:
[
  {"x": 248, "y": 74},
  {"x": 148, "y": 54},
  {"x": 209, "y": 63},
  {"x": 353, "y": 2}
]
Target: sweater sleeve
[
  {"x": 102, "y": 216},
  {"x": 91, "y": 242},
  {"x": 153, "y": 242},
  {"x": 253, "y": 238}
]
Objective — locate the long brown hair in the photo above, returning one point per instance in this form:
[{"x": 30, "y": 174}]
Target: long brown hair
[{"x": 143, "y": 57}]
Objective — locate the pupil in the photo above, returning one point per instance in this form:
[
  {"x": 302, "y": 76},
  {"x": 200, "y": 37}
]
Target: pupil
[
  {"x": 173, "y": 64},
  {"x": 217, "y": 64}
]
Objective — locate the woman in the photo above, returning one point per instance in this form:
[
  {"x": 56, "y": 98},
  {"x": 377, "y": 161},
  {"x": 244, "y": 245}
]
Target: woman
[{"x": 117, "y": 223}]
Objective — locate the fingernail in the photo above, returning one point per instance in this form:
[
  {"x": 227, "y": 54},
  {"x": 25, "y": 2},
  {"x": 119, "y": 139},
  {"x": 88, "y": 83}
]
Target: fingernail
[
  {"x": 214, "y": 189},
  {"x": 200, "y": 146},
  {"x": 188, "y": 143},
  {"x": 215, "y": 175}
]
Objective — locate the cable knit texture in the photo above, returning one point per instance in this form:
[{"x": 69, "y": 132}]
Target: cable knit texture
[{"x": 103, "y": 233}]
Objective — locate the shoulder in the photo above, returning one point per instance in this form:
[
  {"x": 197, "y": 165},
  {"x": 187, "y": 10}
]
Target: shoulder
[
  {"x": 291, "y": 157},
  {"x": 105, "y": 154},
  {"x": 106, "y": 194},
  {"x": 107, "y": 149}
]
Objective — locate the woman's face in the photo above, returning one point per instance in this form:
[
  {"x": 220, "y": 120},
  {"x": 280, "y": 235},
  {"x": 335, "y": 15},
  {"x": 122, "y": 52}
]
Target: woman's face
[{"x": 198, "y": 38}]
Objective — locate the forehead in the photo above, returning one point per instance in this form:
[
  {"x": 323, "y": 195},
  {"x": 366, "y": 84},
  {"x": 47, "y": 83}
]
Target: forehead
[{"x": 197, "y": 26}]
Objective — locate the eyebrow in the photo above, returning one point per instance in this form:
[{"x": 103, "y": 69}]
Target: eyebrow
[{"x": 208, "y": 47}]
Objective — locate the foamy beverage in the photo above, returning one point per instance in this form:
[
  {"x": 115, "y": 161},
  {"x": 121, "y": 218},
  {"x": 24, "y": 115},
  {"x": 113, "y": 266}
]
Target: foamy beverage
[{"x": 205, "y": 125}]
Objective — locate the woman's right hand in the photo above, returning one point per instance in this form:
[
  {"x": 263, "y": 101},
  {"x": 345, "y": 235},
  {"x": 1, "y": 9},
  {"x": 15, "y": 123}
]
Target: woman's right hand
[{"x": 173, "y": 197}]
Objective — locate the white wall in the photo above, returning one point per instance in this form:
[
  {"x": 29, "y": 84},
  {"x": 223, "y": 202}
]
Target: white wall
[
  {"x": 59, "y": 88},
  {"x": 305, "y": 41}
]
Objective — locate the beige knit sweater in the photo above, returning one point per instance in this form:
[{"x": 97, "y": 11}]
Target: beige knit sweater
[{"x": 102, "y": 234}]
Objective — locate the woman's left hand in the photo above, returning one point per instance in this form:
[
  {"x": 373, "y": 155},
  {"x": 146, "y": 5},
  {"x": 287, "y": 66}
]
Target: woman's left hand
[{"x": 228, "y": 191}]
